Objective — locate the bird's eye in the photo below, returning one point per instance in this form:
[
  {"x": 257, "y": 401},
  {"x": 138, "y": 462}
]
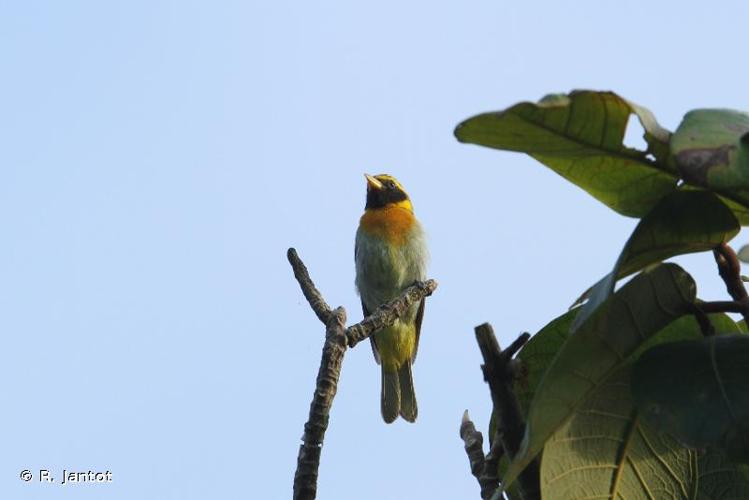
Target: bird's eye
[{"x": 391, "y": 185}]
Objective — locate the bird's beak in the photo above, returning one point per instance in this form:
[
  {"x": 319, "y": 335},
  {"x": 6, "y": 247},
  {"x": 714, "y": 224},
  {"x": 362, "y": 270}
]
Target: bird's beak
[{"x": 372, "y": 182}]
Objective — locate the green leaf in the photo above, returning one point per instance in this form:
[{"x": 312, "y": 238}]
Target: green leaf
[
  {"x": 739, "y": 206},
  {"x": 687, "y": 328},
  {"x": 682, "y": 222},
  {"x": 697, "y": 392},
  {"x": 645, "y": 305},
  {"x": 710, "y": 148},
  {"x": 579, "y": 136},
  {"x": 743, "y": 253},
  {"x": 605, "y": 451},
  {"x": 538, "y": 353}
]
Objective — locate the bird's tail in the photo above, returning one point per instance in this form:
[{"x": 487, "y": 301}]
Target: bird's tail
[
  {"x": 390, "y": 395},
  {"x": 397, "y": 396},
  {"x": 408, "y": 409}
]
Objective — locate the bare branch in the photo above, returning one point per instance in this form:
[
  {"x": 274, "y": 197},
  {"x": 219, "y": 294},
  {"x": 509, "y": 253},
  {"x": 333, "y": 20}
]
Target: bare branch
[
  {"x": 312, "y": 294},
  {"x": 483, "y": 470},
  {"x": 308, "y": 460},
  {"x": 719, "y": 306},
  {"x": 474, "y": 444},
  {"x": 337, "y": 337},
  {"x": 498, "y": 374},
  {"x": 507, "y": 354},
  {"x": 386, "y": 314},
  {"x": 491, "y": 466},
  {"x": 700, "y": 315}
]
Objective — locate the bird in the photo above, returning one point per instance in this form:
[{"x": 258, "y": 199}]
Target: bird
[{"x": 390, "y": 255}]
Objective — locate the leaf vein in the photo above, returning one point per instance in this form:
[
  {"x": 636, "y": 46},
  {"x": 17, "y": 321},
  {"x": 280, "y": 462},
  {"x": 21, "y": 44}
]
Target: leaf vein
[
  {"x": 623, "y": 454},
  {"x": 641, "y": 479},
  {"x": 665, "y": 464}
]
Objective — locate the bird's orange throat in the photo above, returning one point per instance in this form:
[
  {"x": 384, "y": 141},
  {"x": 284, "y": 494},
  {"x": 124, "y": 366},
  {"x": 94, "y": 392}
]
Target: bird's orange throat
[{"x": 392, "y": 223}]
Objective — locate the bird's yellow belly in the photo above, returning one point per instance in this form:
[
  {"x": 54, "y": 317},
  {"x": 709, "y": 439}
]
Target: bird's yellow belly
[{"x": 396, "y": 344}]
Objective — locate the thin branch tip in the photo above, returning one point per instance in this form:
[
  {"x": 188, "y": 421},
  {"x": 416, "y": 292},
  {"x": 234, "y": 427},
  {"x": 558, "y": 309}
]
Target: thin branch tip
[
  {"x": 484, "y": 470},
  {"x": 467, "y": 428},
  {"x": 516, "y": 345},
  {"x": 429, "y": 286},
  {"x": 311, "y": 293}
]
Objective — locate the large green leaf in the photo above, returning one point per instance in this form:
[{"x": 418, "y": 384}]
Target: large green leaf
[
  {"x": 539, "y": 352},
  {"x": 711, "y": 148},
  {"x": 697, "y": 392},
  {"x": 687, "y": 328},
  {"x": 605, "y": 451},
  {"x": 682, "y": 222},
  {"x": 645, "y": 305},
  {"x": 579, "y": 136},
  {"x": 537, "y": 355}
]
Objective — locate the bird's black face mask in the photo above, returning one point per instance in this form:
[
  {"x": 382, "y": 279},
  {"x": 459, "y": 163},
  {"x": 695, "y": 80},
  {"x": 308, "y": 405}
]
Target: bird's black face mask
[{"x": 387, "y": 194}]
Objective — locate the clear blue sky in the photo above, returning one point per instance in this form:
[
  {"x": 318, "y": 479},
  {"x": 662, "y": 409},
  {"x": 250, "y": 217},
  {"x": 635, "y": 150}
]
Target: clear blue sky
[{"x": 158, "y": 158}]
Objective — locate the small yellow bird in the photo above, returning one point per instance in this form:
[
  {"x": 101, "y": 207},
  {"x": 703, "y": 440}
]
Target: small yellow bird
[{"x": 391, "y": 254}]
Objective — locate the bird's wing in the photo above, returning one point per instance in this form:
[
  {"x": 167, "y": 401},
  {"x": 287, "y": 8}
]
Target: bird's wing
[
  {"x": 419, "y": 317},
  {"x": 371, "y": 337},
  {"x": 366, "y": 313}
]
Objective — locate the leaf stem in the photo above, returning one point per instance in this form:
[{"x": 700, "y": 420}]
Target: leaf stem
[
  {"x": 729, "y": 269},
  {"x": 700, "y": 314}
]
